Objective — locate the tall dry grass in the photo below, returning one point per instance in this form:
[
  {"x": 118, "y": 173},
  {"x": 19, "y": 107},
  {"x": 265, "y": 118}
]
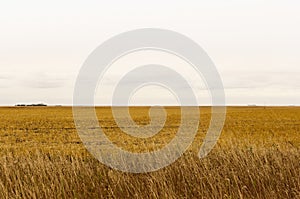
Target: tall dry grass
[
  {"x": 223, "y": 174},
  {"x": 257, "y": 156}
]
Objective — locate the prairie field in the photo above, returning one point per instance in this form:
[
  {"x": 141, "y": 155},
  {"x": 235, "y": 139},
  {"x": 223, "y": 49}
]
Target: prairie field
[{"x": 256, "y": 156}]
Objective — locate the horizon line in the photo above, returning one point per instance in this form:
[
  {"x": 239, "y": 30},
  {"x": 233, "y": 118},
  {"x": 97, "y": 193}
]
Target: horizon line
[{"x": 149, "y": 105}]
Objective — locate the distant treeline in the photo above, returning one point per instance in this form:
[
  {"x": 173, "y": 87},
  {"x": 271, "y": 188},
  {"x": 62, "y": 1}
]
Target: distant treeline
[{"x": 31, "y": 104}]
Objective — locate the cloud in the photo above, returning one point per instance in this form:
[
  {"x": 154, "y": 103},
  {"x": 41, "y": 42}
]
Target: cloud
[
  {"x": 45, "y": 81},
  {"x": 261, "y": 80},
  {"x": 6, "y": 80},
  {"x": 4, "y": 77}
]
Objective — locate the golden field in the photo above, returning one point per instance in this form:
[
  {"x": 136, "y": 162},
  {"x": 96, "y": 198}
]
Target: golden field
[{"x": 257, "y": 156}]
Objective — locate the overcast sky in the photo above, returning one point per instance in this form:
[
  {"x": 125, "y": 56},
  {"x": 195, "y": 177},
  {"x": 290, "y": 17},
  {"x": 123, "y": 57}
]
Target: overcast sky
[{"x": 254, "y": 44}]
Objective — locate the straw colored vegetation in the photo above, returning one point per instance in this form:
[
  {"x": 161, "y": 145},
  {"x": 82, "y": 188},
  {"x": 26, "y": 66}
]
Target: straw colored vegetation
[{"x": 257, "y": 156}]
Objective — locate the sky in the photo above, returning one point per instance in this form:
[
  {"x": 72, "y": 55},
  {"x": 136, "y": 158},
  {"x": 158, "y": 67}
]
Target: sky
[{"x": 255, "y": 46}]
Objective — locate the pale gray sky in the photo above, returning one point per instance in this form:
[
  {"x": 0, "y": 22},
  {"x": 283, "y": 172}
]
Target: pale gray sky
[{"x": 255, "y": 44}]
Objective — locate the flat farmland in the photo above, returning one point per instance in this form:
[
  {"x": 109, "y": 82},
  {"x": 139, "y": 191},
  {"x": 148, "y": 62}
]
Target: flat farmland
[{"x": 257, "y": 156}]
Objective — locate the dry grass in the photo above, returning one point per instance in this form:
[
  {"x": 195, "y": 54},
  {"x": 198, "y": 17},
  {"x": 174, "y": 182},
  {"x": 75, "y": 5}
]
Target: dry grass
[{"x": 257, "y": 156}]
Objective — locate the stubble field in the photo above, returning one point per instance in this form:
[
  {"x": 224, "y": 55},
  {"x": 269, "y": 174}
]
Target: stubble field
[{"x": 257, "y": 156}]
